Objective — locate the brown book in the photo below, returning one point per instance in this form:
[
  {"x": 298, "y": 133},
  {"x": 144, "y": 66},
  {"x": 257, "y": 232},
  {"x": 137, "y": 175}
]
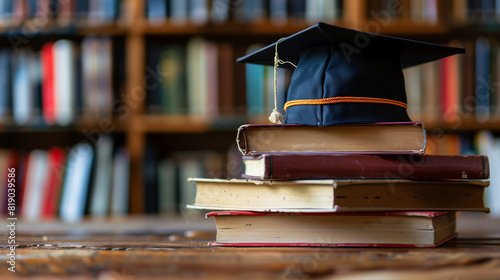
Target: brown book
[
  {"x": 239, "y": 93},
  {"x": 380, "y": 229},
  {"x": 375, "y": 138},
  {"x": 66, "y": 12},
  {"x": 292, "y": 166},
  {"x": 226, "y": 78},
  {"x": 468, "y": 100},
  {"x": 339, "y": 195}
]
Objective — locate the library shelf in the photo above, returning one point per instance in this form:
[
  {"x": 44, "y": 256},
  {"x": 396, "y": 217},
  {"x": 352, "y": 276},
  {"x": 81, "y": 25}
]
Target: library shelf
[{"x": 135, "y": 32}]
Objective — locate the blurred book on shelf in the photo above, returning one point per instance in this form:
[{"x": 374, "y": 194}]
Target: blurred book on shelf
[
  {"x": 195, "y": 78},
  {"x": 458, "y": 87},
  {"x": 167, "y": 190},
  {"x": 418, "y": 12},
  {"x": 40, "y": 13},
  {"x": 68, "y": 183},
  {"x": 278, "y": 12},
  {"x": 60, "y": 83}
]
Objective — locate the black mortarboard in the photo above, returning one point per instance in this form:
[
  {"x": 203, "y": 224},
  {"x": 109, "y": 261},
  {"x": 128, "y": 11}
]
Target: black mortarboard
[{"x": 347, "y": 76}]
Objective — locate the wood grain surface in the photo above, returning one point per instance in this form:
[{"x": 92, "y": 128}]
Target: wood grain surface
[{"x": 185, "y": 254}]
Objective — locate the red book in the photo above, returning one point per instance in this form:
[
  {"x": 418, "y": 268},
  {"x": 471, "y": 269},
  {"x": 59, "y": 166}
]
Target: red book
[
  {"x": 48, "y": 92},
  {"x": 378, "y": 229},
  {"x": 292, "y": 166},
  {"x": 449, "y": 89},
  {"x": 373, "y": 138},
  {"x": 12, "y": 163},
  {"x": 50, "y": 204}
]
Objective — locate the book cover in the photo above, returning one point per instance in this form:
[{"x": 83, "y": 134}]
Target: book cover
[
  {"x": 121, "y": 182},
  {"x": 12, "y": 162},
  {"x": 55, "y": 173},
  {"x": 5, "y": 158},
  {"x": 156, "y": 11},
  {"x": 255, "y": 85},
  {"x": 66, "y": 12},
  {"x": 90, "y": 87},
  {"x": 167, "y": 187},
  {"x": 48, "y": 91},
  {"x": 23, "y": 63},
  {"x": 381, "y": 229},
  {"x": 225, "y": 79},
  {"x": 292, "y": 166},
  {"x": 35, "y": 187},
  {"x": 105, "y": 65},
  {"x": 431, "y": 83},
  {"x": 414, "y": 90},
  {"x": 76, "y": 183},
  {"x": 197, "y": 77},
  {"x": 5, "y": 83},
  {"x": 375, "y": 138},
  {"x": 482, "y": 89},
  {"x": 64, "y": 81},
  {"x": 449, "y": 89},
  {"x": 153, "y": 78},
  {"x": 172, "y": 87},
  {"x": 198, "y": 11},
  {"x": 101, "y": 185},
  {"x": 179, "y": 11},
  {"x": 278, "y": 11}
]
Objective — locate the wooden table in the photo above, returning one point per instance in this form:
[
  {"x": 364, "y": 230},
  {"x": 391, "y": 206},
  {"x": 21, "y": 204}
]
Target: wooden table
[{"x": 176, "y": 247}]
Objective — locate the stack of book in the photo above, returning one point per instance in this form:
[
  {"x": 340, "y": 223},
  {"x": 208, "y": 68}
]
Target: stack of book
[{"x": 342, "y": 185}]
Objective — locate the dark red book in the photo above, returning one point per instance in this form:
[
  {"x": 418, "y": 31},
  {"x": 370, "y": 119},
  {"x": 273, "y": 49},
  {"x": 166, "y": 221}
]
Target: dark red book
[
  {"x": 378, "y": 229},
  {"x": 50, "y": 204},
  {"x": 292, "y": 166}
]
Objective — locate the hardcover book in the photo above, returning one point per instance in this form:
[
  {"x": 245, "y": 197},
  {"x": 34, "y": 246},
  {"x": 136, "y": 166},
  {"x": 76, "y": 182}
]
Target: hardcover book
[
  {"x": 375, "y": 138},
  {"x": 292, "y": 166},
  {"x": 341, "y": 195},
  {"x": 381, "y": 229}
]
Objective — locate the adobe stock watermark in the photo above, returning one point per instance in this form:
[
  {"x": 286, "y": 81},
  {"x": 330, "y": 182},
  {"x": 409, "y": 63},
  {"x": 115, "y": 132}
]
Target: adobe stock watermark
[{"x": 11, "y": 219}]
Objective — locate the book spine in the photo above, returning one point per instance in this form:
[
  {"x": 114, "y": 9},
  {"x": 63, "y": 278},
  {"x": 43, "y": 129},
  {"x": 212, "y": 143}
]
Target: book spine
[
  {"x": 48, "y": 98},
  {"x": 64, "y": 81}
]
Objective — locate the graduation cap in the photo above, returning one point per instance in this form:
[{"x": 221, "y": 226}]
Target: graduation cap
[{"x": 347, "y": 76}]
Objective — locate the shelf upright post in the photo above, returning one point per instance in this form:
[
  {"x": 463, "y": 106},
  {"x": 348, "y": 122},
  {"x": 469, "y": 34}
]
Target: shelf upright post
[
  {"x": 355, "y": 13},
  {"x": 136, "y": 91}
]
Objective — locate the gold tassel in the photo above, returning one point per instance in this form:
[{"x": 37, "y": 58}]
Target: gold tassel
[{"x": 275, "y": 116}]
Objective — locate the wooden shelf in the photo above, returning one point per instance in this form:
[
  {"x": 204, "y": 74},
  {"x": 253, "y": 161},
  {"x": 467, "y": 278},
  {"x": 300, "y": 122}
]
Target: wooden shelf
[
  {"x": 264, "y": 27},
  {"x": 52, "y": 28},
  {"x": 103, "y": 124},
  {"x": 113, "y": 29},
  {"x": 461, "y": 125},
  {"x": 170, "y": 123},
  {"x": 149, "y": 123},
  {"x": 406, "y": 27}
]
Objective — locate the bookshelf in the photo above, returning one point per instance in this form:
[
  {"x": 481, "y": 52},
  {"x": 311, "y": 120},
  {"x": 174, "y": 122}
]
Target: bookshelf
[{"x": 136, "y": 127}]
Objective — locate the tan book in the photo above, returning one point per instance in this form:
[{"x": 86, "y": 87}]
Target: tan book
[
  {"x": 380, "y": 229},
  {"x": 376, "y": 138},
  {"x": 339, "y": 195}
]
